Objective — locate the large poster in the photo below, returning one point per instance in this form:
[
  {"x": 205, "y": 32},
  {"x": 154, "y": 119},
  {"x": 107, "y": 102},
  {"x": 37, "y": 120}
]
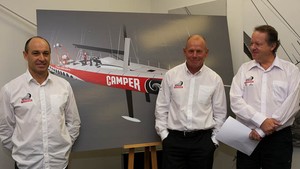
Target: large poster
[
  {"x": 283, "y": 16},
  {"x": 115, "y": 63}
]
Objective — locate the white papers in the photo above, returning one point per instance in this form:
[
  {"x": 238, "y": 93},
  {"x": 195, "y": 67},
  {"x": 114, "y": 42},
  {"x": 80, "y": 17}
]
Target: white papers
[{"x": 236, "y": 135}]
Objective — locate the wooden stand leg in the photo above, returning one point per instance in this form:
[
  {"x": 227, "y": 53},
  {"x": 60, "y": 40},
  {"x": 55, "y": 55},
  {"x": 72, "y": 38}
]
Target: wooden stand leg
[
  {"x": 147, "y": 158},
  {"x": 153, "y": 157},
  {"x": 131, "y": 158},
  {"x": 149, "y": 148}
]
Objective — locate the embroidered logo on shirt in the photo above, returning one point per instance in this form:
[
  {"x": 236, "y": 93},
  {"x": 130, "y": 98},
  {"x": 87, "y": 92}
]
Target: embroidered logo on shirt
[
  {"x": 249, "y": 81},
  {"x": 179, "y": 85},
  {"x": 27, "y": 98}
]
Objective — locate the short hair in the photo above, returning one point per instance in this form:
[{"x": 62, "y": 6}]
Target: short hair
[
  {"x": 28, "y": 41},
  {"x": 272, "y": 35},
  {"x": 196, "y": 36}
]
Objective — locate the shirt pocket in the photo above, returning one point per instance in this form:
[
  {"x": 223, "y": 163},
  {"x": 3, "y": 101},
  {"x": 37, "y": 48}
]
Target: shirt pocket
[
  {"x": 280, "y": 90},
  {"x": 205, "y": 94},
  {"x": 178, "y": 95},
  {"x": 21, "y": 108},
  {"x": 58, "y": 103}
]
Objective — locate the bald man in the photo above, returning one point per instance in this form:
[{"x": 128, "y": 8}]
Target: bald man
[
  {"x": 190, "y": 109},
  {"x": 39, "y": 119}
]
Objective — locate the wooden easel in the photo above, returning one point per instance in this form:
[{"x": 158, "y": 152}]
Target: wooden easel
[{"x": 150, "y": 148}]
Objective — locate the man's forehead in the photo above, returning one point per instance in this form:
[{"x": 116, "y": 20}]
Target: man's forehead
[
  {"x": 258, "y": 40},
  {"x": 37, "y": 50},
  {"x": 38, "y": 46}
]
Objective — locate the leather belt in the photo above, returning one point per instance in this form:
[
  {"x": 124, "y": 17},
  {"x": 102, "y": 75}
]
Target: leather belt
[{"x": 189, "y": 133}]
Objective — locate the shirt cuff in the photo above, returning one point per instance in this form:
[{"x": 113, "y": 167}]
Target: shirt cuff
[
  {"x": 164, "y": 134},
  {"x": 260, "y": 132},
  {"x": 214, "y": 140},
  {"x": 258, "y": 119}
]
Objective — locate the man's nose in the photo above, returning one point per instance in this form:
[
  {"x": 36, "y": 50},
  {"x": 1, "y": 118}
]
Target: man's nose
[
  {"x": 42, "y": 56},
  {"x": 195, "y": 53}
]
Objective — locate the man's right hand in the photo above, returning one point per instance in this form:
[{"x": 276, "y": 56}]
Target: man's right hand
[
  {"x": 270, "y": 125},
  {"x": 254, "y": 135}
]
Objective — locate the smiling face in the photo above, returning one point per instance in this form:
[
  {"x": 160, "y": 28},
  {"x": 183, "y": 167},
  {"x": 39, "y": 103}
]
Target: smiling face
[
  {"x": 37, "y": 55},
  {"x": 261, "y": 50},
  {"x": 195, "y": 53}
]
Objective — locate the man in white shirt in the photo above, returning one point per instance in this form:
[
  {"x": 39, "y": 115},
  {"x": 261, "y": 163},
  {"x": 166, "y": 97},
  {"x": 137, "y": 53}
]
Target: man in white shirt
[
  {"x": 264, "y": 95},
  {"x": 190, "y": 109},
  {"x": 39, "y": 119}
]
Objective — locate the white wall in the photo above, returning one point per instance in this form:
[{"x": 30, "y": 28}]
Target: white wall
[{"x": 15, "y": 31}]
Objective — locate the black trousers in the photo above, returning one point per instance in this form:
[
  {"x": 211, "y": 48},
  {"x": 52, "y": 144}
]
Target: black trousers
[
  {"x": 16, "y": 167},
  {"x": 191, "y": 151},
  {"x": 273, "y": 152}
]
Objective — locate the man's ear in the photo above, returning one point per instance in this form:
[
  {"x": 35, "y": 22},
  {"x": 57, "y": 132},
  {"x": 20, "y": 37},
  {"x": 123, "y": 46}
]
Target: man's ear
[
  {"x": 273, "y": 46},
  {"x": 25, "y": 55}
]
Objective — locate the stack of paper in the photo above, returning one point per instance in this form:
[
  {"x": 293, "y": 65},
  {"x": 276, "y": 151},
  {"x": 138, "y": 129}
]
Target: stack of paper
[{"x": 236, "y": 135}]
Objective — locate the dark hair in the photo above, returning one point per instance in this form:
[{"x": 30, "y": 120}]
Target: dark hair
[
  {"x": 27, "y": 42},
  {"x": 272, "y": 35}
]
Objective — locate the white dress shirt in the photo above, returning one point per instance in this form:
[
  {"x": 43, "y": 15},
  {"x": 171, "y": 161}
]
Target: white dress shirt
[
  {"x": 257, "y": 94},
  {"x": 38, "y": 123},
  {"x": 189, "y": 101}
]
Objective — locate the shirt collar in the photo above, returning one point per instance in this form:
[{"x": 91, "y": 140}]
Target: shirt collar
[
  {"x": 188, "y": 72},
  {"x": 29, "y": 77},
  {"x": 276, "y": 63}
]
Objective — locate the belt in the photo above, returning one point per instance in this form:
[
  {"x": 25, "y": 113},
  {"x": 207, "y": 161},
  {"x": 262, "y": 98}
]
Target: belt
[{"x": 189, "y": 133}]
